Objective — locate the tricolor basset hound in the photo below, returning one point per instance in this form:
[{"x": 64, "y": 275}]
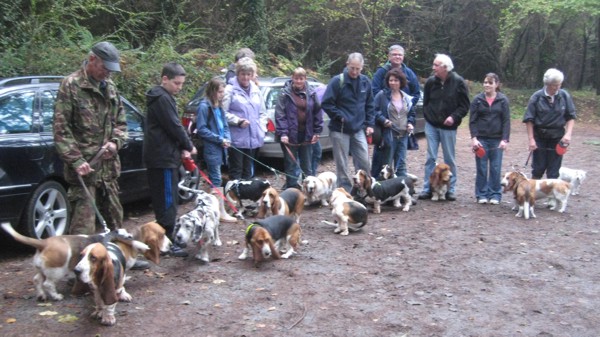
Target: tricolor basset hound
[
  {"x": 378, "y": 192},
  {"x": 439, "y": 181},
  {"x": 555, "y": 190},
  {"x": 288, "y": 202},
  {"x": 102, "y": 267},
  {"x": 346, "y": 210},
  {"x": 269, "y": 236},
  {"x": 319, "y": 188},
  {"x": 387, "y": 172},
  {"x": 238, "y": 190},
  {"x": 56, "y": 257}
]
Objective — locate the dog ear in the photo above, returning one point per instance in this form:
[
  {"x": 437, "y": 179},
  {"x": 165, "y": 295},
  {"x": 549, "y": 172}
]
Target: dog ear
[
  {"x": 276, "y": 204},
  {"x": 105, "y": 276},
  {"x": 262, "y": 209},
  {"x": 274, "y": 250},
  {"x": 434, "y": 177}
]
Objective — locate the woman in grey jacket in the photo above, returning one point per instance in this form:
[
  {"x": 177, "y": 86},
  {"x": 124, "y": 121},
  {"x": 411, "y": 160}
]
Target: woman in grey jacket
[{"x": 490, "y": 131}]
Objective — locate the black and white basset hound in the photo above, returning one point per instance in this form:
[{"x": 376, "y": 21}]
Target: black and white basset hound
[
  {"x": 238, "y": 190},
  {"x": 378, "y": 192}
]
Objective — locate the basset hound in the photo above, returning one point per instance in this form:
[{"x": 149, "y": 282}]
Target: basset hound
[
  {"x": 378, "y": 192},
  {"x": 319, "y": 188},
  {"x": 289, "y": 202},
  {"x": 102, "y": 267},
  {"x": 439, "y": 181},
  {"x": 238, "y": 190},
  {"x": 346, "y": 210},
  {"x": 269, "y": 236},
  {"x": 56, "y": 257},
  {"x": 527, "y": 191},
  {"x": 411, "y": 180}
]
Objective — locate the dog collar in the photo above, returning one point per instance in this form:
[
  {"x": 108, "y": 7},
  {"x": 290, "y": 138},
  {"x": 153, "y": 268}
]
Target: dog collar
[{"x": 249, "y": 228}]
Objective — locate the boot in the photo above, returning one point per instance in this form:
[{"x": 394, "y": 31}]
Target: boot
[{"x": 225, "y": 217}]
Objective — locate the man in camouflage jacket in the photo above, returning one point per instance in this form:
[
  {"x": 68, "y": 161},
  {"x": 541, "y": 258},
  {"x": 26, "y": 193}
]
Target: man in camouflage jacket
[{"x": 88, "y": 118}]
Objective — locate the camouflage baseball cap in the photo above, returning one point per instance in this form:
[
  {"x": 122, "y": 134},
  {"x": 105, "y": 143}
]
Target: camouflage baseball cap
[{"x": 107, "y": 52}]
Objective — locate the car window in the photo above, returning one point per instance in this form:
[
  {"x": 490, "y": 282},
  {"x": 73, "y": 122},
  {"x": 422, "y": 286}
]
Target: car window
[
  {"x": 47, "y": 109},
  {"x": 15, "y": 112},
  {"x": 134, "y": 120},
  {"x": 272, "y": 96}
]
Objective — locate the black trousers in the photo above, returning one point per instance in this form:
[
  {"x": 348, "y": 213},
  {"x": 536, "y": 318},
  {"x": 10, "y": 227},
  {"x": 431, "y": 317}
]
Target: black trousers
[
  {"x": 241, "y": 163},
  {"x": 165, "y": 197}
]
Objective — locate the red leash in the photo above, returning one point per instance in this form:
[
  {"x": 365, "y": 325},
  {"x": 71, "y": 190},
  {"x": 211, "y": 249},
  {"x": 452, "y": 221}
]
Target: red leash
[{"x": 205, "y": 177}]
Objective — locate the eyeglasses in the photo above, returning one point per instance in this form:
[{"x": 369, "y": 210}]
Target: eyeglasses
[{"x": 396, "y": 55}]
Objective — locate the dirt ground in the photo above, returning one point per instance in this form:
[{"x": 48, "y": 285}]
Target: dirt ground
[{"x": 442, "y": 269}]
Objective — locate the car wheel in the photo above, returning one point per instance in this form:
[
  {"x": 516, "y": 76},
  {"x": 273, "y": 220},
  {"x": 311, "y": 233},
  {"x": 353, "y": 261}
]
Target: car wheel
[
  {"x": 47, "y": 212},
  {"x": 189, "y": 180}
]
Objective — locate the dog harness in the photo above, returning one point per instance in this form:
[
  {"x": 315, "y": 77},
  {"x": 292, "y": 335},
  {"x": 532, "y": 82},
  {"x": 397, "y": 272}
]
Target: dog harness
[{"x": 118, "y": 260}]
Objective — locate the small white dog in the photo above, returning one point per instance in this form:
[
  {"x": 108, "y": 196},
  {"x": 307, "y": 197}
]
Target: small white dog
[
  {"x": 319, "y": 188},
  {"x": 573, "y": 176}
]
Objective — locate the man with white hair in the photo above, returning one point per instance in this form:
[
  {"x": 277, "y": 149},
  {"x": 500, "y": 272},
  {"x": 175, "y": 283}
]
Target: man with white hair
[
  {"x": 445, "y": 104},
  {"x": 348, "y": 101},
  {"x": 549, "y": 118}
]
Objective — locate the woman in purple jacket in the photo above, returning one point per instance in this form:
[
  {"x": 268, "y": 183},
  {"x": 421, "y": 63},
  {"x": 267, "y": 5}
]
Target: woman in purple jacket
[
  {"x": 299, "y": 121},
  {"x": 247, "y": 119}
]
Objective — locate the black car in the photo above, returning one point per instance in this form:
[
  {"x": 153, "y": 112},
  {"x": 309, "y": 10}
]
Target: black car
[{"x": 32, "y": 189}]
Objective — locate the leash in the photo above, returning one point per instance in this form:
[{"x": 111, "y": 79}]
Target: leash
[
  {"x": 528, "y": 157},
  {"x": 205, "y": 177},
  {"x": 276, "y": 172},
  {"x": 92, "y": 163},
  {"x": 287, "y": 148}
]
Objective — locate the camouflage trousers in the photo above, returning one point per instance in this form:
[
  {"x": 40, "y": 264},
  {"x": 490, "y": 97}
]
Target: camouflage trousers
[{"x": 83, "y": 216}]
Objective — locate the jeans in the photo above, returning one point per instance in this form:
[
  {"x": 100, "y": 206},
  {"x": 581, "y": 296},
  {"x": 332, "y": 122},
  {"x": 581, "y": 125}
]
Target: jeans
[
  {"x": 356, "y": 144},
  {"x": 489, "y": 171},
  {"x": 317, "y": 153},
  {"x": 435, "y": 137},
  {"x": 545, "y": 159},
  {"x": 302, "y": 155},
  {"x": 214, "y": 174},
  {"x": 393, "y": 154}
]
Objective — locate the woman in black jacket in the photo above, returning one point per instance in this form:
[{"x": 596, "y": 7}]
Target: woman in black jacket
[{"x": 490, "y": 130}]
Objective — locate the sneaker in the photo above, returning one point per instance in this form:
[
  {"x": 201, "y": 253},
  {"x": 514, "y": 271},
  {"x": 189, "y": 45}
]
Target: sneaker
[
  {"x": 177, "y": 251},
  {"x": 425, "y": 195},
  {"x": 450, "y": 196},
  {"x": 494, "y": 202},
  {"x": 482, "y": 201},
  {"x": 140, "y": 265}
]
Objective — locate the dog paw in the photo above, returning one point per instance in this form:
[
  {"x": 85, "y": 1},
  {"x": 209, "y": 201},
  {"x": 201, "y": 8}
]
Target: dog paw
[
  {"x": 56, "y": 297},
  {"x": 324, "y": 203},
  {"x": 125, "y": 297},
  {"x": 405, "y": 209},
  {"x": 337, "y": 230},
  {"x": 345, "y": 232},
  {"x": 108, "y": 320},
  {"x": 218, "y": 243}
]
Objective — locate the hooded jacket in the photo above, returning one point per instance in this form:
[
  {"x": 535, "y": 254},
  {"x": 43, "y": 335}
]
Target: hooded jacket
[
  {"x": 164, "y": 135},
  {"x": 206, "y": 124},
  {"x": 286, "y": 115},
  {"x": 441, "y": 100}
]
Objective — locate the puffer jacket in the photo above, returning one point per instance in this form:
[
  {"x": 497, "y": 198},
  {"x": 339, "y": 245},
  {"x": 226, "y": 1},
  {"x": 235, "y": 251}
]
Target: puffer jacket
[
  {"x": 85, "y": 118},
  {"x": 488, "y": 121},
  {"x": 286, "y": 115},
  {"x": 206, "y": 124},
  {"x": 238, "y": 105},
  {"x": 341, "y": 102},
  {"x": 441, "y": 100}
]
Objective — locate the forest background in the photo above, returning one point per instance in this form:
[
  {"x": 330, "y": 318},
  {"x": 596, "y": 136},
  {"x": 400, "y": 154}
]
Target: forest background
[{"x": 518, "y": 39}]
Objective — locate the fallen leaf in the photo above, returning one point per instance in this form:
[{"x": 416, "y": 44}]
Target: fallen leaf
[
  {"x": 272, "y": 309},
  {"x": 47, "y": 304},
  {"x": 217, "y": 305},
  {"x": 218, "y": 281},
  {"x": 261, "y": 325},
  {"x": 11, "y": 320},
  {"x": 48, "y": 313},
  {"x": 67, "y": 318},
  {"x": 186, "y": 302},
  {"x": 413, "y": 302}
]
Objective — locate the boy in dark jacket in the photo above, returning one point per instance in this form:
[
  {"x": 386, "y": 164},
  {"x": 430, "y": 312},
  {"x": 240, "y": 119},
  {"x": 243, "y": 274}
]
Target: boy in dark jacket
[{"x": 166, "y": 143}]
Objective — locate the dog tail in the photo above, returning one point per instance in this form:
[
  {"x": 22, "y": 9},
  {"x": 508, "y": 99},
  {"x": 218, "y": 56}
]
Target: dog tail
[{"x": 36, "y": 243}]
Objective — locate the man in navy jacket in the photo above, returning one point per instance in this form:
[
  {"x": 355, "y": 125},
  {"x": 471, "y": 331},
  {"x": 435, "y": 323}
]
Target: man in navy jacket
[{"x": 348, "y": 100}]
